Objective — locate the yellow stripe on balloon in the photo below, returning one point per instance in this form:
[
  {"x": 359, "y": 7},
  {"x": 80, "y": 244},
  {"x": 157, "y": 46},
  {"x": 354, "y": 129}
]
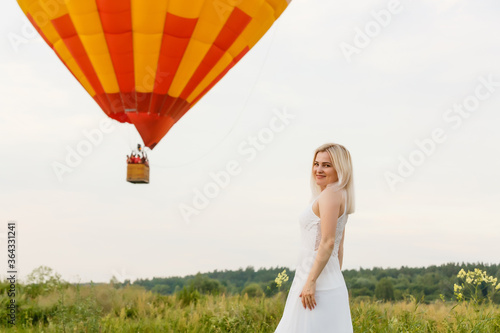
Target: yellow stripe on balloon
[
  {"x": 250, "y": 7},
  {"x": 208, "y": 27},
  {"x": 84, "y": 15},
  {"x": 187, "y": 9},
  {"x": 54, "y": 9},
  {"x": 279, "y": 6},
  {"x": 259, "y": 25},
  {"x": 87, "y": 22},
  {"x": 38, "y": 14},
  {"x": 148, "y": 22}
]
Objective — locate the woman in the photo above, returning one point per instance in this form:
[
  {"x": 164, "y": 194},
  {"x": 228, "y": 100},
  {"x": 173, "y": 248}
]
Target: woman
[{"x": 318, "y": 300}]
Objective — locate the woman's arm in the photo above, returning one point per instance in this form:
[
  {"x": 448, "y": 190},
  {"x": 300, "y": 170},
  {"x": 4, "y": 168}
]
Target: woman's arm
[
  {"x": 341, "y": 249},
  {"x": 329, "y": 208}
]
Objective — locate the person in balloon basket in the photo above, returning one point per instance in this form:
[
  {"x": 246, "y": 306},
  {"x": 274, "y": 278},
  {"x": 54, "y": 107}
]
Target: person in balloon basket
[
  {"x": 144, "y": 160},
  {"x": 132, "y": 159},
  {"x": 318, "y": 300},
  {"x": 137, "y": 159}
]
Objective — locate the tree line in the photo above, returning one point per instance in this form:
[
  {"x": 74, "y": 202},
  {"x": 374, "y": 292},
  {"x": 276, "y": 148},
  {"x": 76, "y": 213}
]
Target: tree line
[{"x": 390, "y": 284}]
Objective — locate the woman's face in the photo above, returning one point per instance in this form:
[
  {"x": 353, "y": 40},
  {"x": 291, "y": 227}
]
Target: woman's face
[{"x": 323, "y": 170}]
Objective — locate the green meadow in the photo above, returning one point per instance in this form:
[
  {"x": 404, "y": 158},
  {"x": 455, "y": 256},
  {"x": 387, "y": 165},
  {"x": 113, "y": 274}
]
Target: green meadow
[{"x": 46, "y": 303}]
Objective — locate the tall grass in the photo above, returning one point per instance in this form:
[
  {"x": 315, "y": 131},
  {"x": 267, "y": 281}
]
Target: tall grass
[
  {"x": 104, "y": 308},
  {"x": 413, "y": 316}
]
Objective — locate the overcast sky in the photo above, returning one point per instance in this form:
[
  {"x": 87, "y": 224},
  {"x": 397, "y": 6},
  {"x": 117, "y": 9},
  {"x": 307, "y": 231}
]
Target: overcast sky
[{"x": 414, "y": 95}]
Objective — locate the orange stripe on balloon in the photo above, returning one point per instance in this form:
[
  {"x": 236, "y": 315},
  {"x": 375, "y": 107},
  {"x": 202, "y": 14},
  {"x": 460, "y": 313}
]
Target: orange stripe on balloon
[
  {"x": 214, "y": 82},
  {"x": 101, "y": 100},
  {"x": 30, "y": 18},
  {"x": 69, "y": 35},
  {"x": 176, "y": 36},
  {"x": 65, "y": 28},
  {"x": 233, "y": 27}
]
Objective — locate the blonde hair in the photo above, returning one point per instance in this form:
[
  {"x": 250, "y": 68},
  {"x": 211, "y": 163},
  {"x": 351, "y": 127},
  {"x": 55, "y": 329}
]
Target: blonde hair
[{"x": 341, "y": 160}]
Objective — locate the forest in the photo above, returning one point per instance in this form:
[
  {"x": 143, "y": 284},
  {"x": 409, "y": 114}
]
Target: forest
[{"x": 388, "y": 284}]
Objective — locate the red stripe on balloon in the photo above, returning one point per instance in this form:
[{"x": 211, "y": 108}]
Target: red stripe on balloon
[
  {"x": 116, "y": 102},
  {"x": 180, "y": 106},
  {"x": 143, "y": 101},
  {"x": 151, "y": 127},
  {"x": 168, "y": 102},
  {"x": 177, "y": 33},
  {"x": 120, "y": 116},
  {"x": 235, "y": 24},
  {"x": 156, "y": 102},
  {"x": 103, "y": 101},
  {"x": 116, "y": 19}
]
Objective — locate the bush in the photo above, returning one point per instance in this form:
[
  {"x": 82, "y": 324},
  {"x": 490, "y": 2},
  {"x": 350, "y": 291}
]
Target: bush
[
  {"x": 384, "y": 290},
  {"x": 188, "y": 295},
  {"x": 253, "y": 290}
]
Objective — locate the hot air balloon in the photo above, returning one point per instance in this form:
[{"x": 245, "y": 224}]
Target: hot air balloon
[{"x": 147, "y": 62}]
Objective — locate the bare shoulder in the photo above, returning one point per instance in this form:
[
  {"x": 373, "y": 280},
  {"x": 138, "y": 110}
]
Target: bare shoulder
[{"x": 330, "y": 198}]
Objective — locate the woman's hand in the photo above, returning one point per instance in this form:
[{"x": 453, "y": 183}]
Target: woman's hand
[{"x": 307, "y": 295}]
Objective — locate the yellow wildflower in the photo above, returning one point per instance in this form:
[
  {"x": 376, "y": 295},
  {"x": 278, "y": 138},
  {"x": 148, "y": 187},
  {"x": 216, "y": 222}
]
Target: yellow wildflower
[{"x": 282, "y": 277}]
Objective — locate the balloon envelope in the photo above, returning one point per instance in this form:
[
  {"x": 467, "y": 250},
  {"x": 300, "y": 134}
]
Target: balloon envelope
[{"x": 147, "y": 62}]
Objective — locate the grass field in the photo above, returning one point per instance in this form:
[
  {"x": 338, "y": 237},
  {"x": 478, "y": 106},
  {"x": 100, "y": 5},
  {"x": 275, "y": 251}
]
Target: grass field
[{"x": 104, "y": 308}]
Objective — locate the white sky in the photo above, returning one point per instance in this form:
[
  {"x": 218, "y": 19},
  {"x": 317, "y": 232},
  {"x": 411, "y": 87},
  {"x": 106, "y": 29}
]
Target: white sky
[{"x": 396, "y": 90}]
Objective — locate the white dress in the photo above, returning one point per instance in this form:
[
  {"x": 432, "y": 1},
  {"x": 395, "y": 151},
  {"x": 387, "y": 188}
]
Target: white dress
[{"x": 331, "y": 313}]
